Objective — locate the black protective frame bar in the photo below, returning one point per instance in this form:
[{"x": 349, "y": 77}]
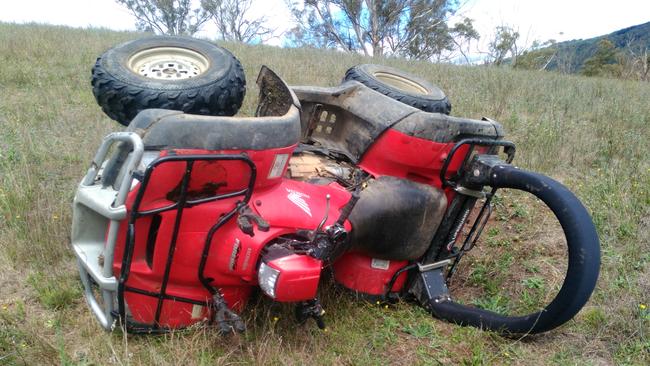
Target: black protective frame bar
[
  {"x": 462, "y": 205},
  {"x": 508, "y": 147},
  {"x": 458, "y": 211},
  {"x": 179, "y": 206}
]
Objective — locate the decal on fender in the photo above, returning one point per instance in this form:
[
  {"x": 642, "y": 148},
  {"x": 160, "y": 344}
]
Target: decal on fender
[
  {"x": 197, "y": 311},
  {"x": 278, "y": 165},
  {"x": 235, "y": 253},
  {"x": 380, "y": 264},
  {"x": 298, "y": 199},
  {"x": 247, "y": 257}
]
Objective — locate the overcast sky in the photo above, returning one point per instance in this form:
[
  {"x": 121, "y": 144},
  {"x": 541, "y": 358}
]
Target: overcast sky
[{"x": 542, "y": 20}]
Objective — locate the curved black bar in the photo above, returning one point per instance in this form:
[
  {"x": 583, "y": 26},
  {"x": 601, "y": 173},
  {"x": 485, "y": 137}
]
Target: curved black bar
[
  {"x": 583, "y": 264},
  {"x": 509, "y": 149},
  {"x": 179, "y": 206}
]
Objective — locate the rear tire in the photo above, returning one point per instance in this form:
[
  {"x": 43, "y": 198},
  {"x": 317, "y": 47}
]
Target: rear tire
[
  {"x": 399, "y": 85},
  {"x": 177, "y": 73}
]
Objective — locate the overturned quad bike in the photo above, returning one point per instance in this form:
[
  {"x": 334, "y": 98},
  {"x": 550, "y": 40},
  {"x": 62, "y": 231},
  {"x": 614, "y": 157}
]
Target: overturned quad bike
[{"x": 186, "y": 213}]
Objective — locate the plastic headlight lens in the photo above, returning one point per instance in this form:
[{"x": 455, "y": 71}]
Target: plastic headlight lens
[{"x": 268, "y": 277}]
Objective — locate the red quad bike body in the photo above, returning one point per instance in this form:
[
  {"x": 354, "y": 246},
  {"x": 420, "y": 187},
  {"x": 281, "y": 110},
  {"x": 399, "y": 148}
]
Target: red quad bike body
[{"x": 191, "y": 214}]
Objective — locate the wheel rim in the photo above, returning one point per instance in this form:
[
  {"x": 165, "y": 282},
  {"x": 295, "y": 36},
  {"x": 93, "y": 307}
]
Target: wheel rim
[
  {"x": 401, "y": 83},
  {"x": 168, "y": 63}
]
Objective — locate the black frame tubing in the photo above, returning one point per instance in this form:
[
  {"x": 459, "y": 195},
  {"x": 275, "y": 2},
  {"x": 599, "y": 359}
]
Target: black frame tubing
[
  {"x": 508, "y": 146},
  {"x": 179, "y": 206}
]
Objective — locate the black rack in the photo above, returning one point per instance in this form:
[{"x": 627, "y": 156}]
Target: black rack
[
  {"x": 462, "y": 205},
  {"x": 180, "y": 204},
  {"x": 508, "y": 148}
]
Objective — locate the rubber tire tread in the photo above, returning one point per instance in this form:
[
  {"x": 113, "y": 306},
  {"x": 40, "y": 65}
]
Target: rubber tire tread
[
  {"x": 122, "y": 101},
  {"x": 422, "y": 103},
  {"x": 583, "y": 262}
]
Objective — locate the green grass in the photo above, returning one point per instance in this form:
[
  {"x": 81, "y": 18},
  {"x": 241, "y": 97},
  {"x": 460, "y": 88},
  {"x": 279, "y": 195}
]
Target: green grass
[{"x": 592, "y": 134}]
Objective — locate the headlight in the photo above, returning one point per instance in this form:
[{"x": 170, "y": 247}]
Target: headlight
[{"x": 267, "y": 278}]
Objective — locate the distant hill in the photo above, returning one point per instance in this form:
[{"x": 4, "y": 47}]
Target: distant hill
[{"x": 572, "y": 54}]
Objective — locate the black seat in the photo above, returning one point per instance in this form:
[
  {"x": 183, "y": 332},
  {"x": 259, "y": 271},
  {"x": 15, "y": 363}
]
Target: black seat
[
  {"x": 166, "y": 129},
  {"x": 277, "y": 123}
]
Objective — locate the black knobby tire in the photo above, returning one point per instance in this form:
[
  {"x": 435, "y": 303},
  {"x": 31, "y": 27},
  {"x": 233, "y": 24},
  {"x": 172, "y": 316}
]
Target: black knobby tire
[
  {"x": 197, "y": 77},
  {"x": 399, "y": 85}
]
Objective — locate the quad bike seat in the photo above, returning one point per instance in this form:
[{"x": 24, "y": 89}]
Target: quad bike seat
[{"x": 276, "y": 124}]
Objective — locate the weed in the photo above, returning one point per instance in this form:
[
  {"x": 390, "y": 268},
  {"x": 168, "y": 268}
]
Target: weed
[
  {"x": 534, "y": 282},
  {"x": 530, "y": 301},
  {"x": 520, "y": 211},
  {"x": 531, "y": 267},
  {"x": 628, "y": 352},
  {"x": 419, "y": 330},
  {"x": 479, "y": 274},
  {"x": 594, "y": 317},
  {"x": 55, "y": 292},
  {"x": 644, "y": 312},
  {"x": 497, "y": 303},
  {"x": 492, "y": 232}
]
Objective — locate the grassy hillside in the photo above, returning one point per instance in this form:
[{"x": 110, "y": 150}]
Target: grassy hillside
[
  {"x": 574, "y": 53},
  {"x": 592, "y": 134}
]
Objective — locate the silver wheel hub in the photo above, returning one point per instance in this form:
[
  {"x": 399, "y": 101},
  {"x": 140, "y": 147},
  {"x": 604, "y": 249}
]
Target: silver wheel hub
[
  {"x": 401, "y": 83},
  {"x": 168, "y": 63}
]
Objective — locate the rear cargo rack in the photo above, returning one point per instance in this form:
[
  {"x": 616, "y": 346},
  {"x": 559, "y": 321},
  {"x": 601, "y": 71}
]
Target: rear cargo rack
[
  {"x": 179, "y": 205},
  {"x": 99, "y": 210}
]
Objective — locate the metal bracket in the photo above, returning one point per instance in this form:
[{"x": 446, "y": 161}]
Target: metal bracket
[
  {"x": 90, "y": 240},
  {"x": 509, "y": 149},
  {"x": 470, "y": 192},
  {"x": 432, "y": 266},
  {"x": 430, "y": 285},
  {"x": 435, "y": 285}
]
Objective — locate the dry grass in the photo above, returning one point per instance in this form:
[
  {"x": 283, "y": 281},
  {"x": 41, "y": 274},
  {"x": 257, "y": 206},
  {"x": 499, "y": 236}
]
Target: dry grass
[{"x": 592, "y": 134}]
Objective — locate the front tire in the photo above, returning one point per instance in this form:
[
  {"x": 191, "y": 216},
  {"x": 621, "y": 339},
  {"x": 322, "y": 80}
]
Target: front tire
[{"x": 178, "y": 73}]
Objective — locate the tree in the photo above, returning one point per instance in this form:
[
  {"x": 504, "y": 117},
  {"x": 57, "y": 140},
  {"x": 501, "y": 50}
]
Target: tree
[
  {"x": 462, "y": 35},
  {"x": 604, "y": 62},
  {"x": 538, "y": 56},
  {"x": 232, "y": 22},
  {"x": 174, "y": 17},
  {"x": 565, "y": 61},
  {"x": 635, "y": 61},
  {"x": 411, "y": 28},
  {"x": 503, "y": 44}
]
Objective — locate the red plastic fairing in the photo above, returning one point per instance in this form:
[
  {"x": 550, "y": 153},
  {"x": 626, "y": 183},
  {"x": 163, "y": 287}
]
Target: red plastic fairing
[
  {"x": 367, "y": 275},
  {"x": 298, "y": 279},
  {"x": 233, "y": 256},
  {"x": 413, "y": 158},
  {"x": 299, "y": 205},
  {"x": 400, "y": 155}
]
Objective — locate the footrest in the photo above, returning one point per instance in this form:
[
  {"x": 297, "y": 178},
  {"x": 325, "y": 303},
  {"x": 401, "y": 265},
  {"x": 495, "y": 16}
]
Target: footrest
[{"x": 430, "y": 285}]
